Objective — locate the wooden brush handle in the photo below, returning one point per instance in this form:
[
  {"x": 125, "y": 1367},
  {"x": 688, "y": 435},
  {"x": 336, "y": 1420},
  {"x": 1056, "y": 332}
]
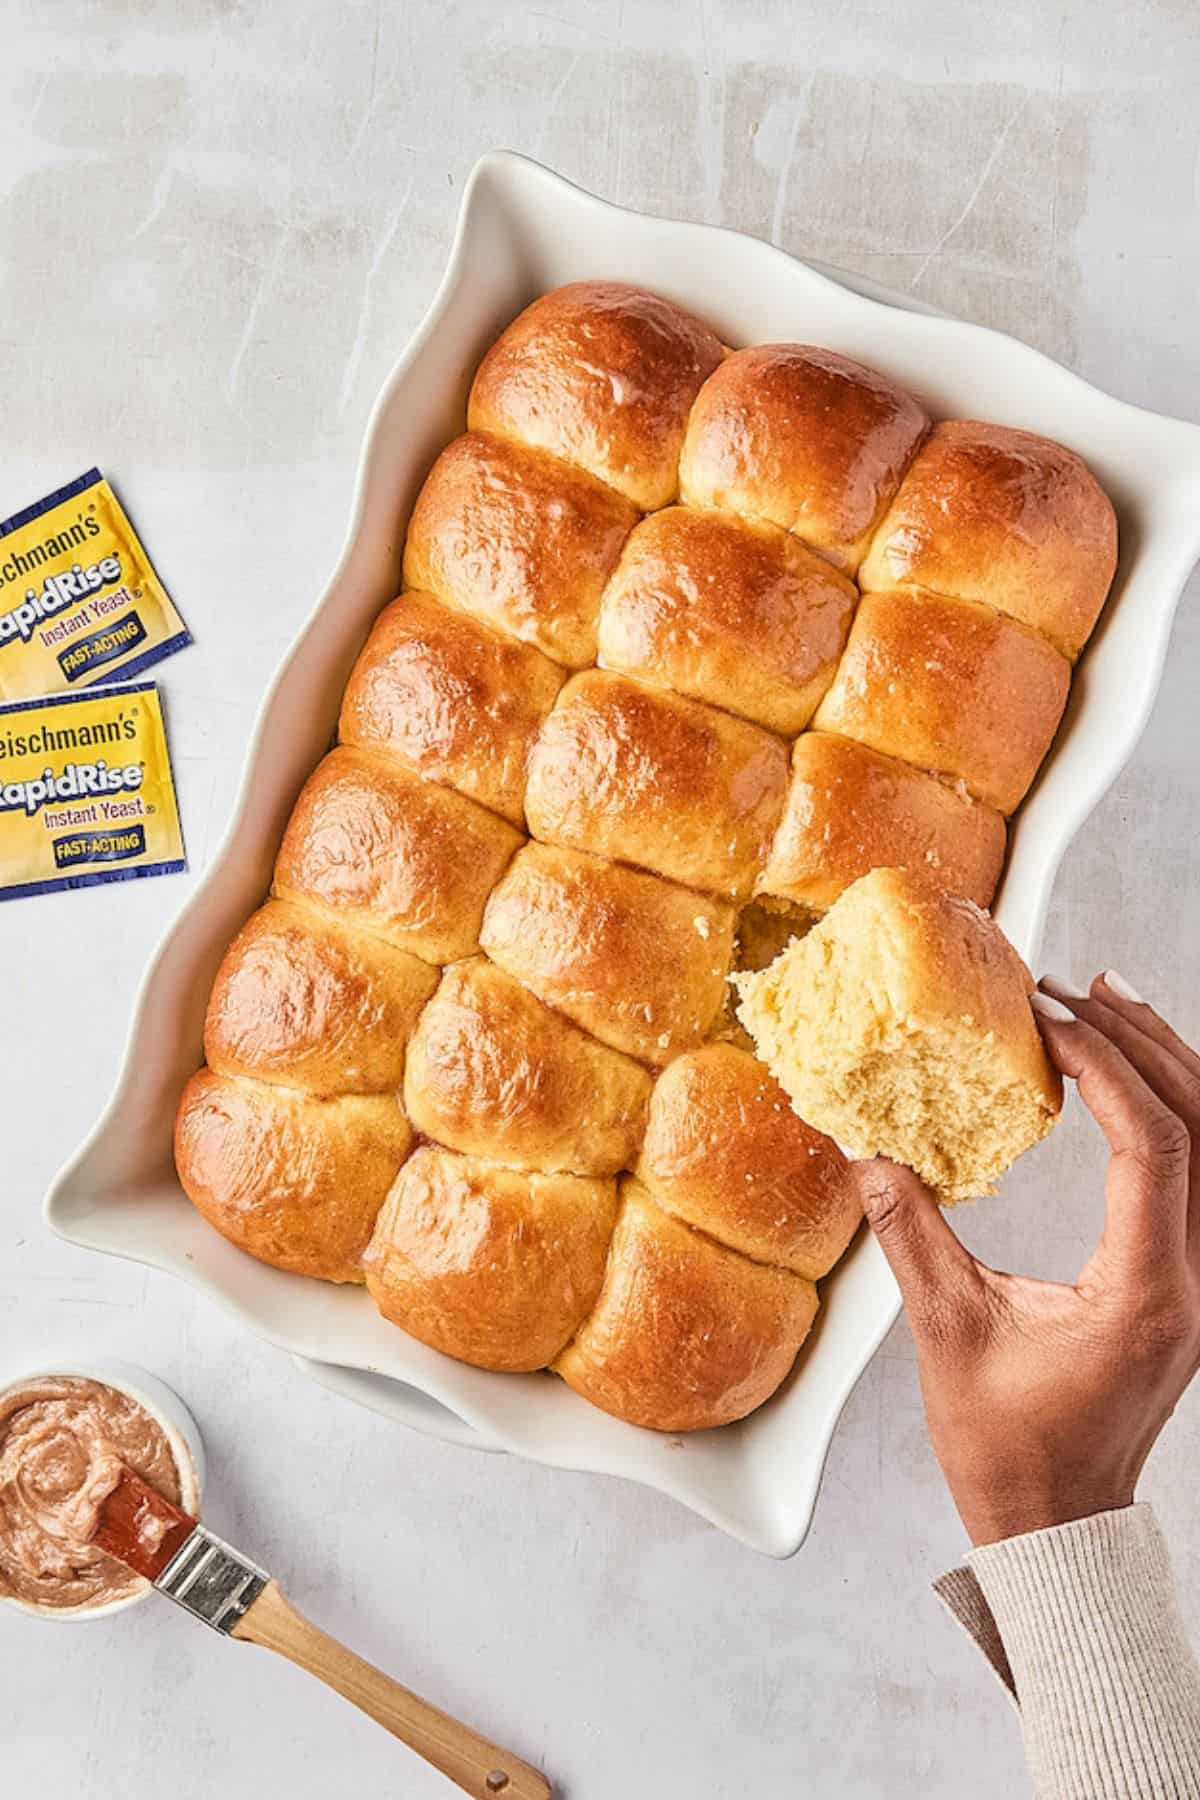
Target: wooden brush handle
[{"x": 479, "y": 1768}]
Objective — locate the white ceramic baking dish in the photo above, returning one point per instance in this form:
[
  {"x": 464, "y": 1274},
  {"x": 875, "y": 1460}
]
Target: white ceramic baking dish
[{"x": 523, "y": 230}]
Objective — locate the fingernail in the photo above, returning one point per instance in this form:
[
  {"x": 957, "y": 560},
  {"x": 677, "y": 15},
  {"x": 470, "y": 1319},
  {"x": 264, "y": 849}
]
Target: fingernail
[
  {"x": 1065, "y": 990},
  {"x": 1117, "y": 984},
  {"x": 1051, "y": 1008}
]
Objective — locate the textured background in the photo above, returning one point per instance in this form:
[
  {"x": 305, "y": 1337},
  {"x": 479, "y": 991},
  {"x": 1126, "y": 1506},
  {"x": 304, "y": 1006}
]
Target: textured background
[{"x": 219, "y": 221}]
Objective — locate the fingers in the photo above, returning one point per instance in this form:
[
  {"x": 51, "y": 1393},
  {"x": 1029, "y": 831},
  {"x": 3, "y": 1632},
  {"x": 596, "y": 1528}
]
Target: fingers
[
  {"x": 1120, "y": 999},
  {"x": 1161, "y": 1058},
  {"x": 1147, "y": 1190},
  {"x": 932, "y": 1269},
  {"x": 1168, "y": 1065}
]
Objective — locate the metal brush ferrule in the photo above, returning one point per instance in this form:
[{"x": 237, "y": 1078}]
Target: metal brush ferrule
[{"x": 212, "y": 1580}]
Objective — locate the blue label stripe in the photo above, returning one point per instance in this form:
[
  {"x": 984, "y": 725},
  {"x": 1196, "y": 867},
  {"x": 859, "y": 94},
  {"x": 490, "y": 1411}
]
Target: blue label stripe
[
  {"x": 28, "y": 514},
  {"x": 94, "y": 692},
  {"x": 148, "y": 658},
  {"x": 28, "y": 889}
]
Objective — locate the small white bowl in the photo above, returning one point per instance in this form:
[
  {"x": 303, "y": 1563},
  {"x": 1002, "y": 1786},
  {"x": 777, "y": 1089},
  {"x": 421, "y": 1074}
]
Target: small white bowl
[{"x": 166, "y": 1409}]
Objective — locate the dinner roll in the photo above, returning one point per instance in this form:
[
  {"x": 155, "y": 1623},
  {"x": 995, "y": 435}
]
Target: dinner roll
[
  {"x": 725, "y": 1152},
  {"x": 987, "y": 513},
  {"x": 603, "y": 375},
  {"x": 634, "y": 734},
  {"x": 901, "y": 1025},
  {"x": 493, "y": 1072},
  {"x": 451, "y": 698},
  {"x": 294, "y": 1179},
  {"x": 487, "y": 1264},
  {"x": 401, "y": 857},
  {"x": 726, "y": 610},
  {"x": 685, "y": 1334},
  {"x": 850, "y": 810},
  {"x": 804, "y": 438},
  {"x": 679, "y": 788},
  {"x": 950, "y": 686},
  {"x": 518, "y": 539},
  {"x": 305, "y": 1001},
  {"x": 637, "y": 961}
]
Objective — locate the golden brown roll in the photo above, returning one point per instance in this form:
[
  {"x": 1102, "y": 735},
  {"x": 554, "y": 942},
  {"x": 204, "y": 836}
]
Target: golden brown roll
[
  {"x": 294, "y": 1179},
  {"x": 902, "y": 1026},
  {"x": 1001, "y": 516},
  {"x": 624, "y": 746},
  {"x": 402, "y": 857},
  {"x": 950, "y": 686},
  {"x": 685, "y": 1334},
  {"x": 451, "y": 698},
  {"x": 677, "y": 787},
  {"x": 730, "y": 611},
  {"x": 725, "y": 1152},
  {"x": 493, "y": 1072},
  {"x": 489, "y": 1265},
  {"x": 305, "y": 1001},
  {"x": 519, "y": 539},
  {"x": 805, "y": 438},
  {"x": 603, "y": 375},
  {"x": 640, "y": 963},
  {"x": 849, "y": 810}
]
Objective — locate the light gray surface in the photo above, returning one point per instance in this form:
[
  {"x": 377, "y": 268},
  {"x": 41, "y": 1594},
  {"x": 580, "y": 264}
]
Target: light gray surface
[{"x": 218, "y": 222}]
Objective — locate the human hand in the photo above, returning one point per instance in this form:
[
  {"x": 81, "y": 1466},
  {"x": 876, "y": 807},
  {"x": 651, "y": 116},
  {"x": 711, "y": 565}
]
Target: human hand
[{"x": 1044, "y": 1399}]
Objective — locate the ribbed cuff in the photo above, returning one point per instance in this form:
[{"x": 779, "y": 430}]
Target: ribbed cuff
[
  {"x": 1107, "y": 1685},
  {"x": 960, "y": 1593}
]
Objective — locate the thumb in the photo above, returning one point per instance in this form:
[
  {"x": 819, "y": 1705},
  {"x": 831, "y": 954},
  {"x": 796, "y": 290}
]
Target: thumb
[{"x": 925, "y": 1256}]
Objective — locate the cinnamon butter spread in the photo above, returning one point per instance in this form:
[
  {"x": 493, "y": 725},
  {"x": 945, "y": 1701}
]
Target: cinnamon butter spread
[{"x": 63, "y": 1441}]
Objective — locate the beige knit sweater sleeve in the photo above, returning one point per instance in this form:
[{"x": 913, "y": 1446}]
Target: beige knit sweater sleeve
[{"x": 1082, "y": 1625}]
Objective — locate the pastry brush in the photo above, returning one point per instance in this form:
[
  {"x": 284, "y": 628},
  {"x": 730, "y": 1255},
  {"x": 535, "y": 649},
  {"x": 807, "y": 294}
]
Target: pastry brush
[{"x": 216, "y": 1583}]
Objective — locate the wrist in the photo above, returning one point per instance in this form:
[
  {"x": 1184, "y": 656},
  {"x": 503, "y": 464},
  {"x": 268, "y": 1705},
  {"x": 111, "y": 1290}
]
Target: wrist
[{"x": 989, "y": 1518}]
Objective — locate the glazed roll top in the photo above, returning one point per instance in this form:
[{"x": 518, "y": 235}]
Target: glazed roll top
[
  {"x": 674, "y": 787},
  {"x": 805, "y": 439},
  {"x": 1006, "y": 518},
  {"x": 396, "y": 856},
  {"x": 493, "y": 1072},
  {"x": 603, "y": 375},
  {"x": 520, "y": 541},
  {"x": 952, "y": 686},
  {"x": 725, "y": 1152},
  {"x": 684, "y": 1334},
  {"x": 850, "y": 809},
  {"x": 314, "y": 1004},
  {"x": 641, "y": 963},
  {"x": 632, "y": 725},
  {"x": 741, "y": 615},
  {"x": 451, "y": 699},
  {"x": 492, "y": 1265},
  {"x": 296, "y": 1179}
]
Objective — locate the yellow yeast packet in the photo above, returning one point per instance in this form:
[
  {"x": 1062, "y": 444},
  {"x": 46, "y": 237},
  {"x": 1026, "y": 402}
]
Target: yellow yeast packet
[
  {"x": 79, "y": 599},
  {"x": 86, "y": 793}
]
